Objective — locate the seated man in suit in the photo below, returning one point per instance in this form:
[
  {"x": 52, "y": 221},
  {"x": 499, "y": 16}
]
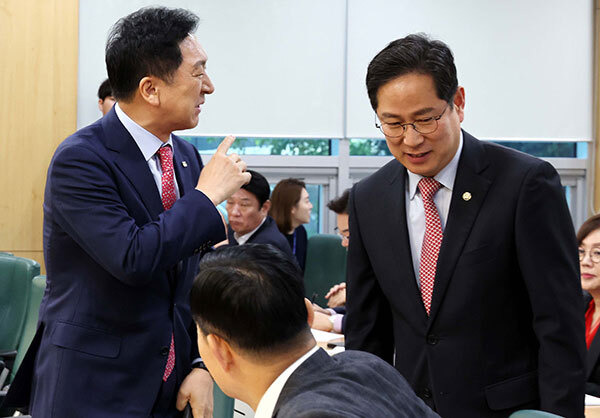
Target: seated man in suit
[
  {"x": 274, "y": 365},
  {"x": 249, "y": 222},
  {"x": 334, "y": 318}
]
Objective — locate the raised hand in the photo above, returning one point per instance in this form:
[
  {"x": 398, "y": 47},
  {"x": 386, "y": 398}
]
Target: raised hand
[{"x": 224, "y": 174}]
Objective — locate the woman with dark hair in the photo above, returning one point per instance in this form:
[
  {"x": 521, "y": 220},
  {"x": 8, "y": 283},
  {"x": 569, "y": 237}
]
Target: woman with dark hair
[
  {"x": 290, "y": 207},
  {"x": 588, "y": 238}
]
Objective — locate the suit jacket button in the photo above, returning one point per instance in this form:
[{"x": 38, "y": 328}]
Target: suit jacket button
[
  {"x": 432, "y": 339},
  {"x": 426, "y": 393},
  {"x": 164, "y": 351}
]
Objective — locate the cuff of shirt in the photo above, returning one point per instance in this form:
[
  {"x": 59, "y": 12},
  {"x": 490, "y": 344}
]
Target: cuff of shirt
[{"x": 337, "y": 323}]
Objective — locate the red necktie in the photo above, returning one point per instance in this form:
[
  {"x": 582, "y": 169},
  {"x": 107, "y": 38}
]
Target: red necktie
[
  {"x": 165, "y": 154},
  {"x": 168, "y": 197},
  {"x": 432, "y": 240}
]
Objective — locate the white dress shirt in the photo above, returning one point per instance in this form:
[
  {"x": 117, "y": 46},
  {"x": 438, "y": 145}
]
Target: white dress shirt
[
  {"x": 149, "y": 145},
  {"x": 269, "y": 399},
  {"x": 415, "y": 212},
  {"x": 241, "y": 239}
]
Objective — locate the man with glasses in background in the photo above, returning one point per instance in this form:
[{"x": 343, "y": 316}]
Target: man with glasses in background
[{"x": 462, "y": 268}]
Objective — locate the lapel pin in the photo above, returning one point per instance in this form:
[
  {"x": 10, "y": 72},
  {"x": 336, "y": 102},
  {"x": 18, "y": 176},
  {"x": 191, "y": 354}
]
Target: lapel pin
[
  {"x": 467, "y": 196},
  {"x": 184, "y": 164}
]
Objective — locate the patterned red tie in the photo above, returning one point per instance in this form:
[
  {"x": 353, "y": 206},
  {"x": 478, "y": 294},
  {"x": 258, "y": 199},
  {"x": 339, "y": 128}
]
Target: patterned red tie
[
  {"x": 165, "y": 154},
  {"x": 431, "y": 241}
]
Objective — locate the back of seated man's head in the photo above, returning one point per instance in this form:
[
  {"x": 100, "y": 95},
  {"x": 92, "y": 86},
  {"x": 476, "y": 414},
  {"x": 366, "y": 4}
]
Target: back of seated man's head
[
  {"x": 248, "y": 207},
  {"x": 106, "y": 99},
  {"x": 248, "y": 302},
  {"x": 340, "y": 206}
]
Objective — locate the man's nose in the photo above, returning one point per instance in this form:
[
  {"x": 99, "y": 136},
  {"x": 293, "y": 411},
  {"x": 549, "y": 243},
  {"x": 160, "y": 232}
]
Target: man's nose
[
  {"x": 412, "y": 138},
  {"x": 207, "y": 85}
]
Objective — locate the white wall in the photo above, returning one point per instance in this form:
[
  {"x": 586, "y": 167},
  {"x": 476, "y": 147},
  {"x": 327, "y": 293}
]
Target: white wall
[
  {"x": 277, "y": 65},
  {"x": 280, "y": 66}
]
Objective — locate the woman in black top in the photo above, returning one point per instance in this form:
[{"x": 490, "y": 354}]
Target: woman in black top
[{"x": 290, "y": 207}]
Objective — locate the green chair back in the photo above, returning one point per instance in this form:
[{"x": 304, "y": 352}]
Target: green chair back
[
  {"x": 532, "y": 413},
  {"x": 325, "y": 266},
  {"x": 38, "y": 286},
  {"x": 16, "y": 274},
  {"x": 223, "y": 404}
]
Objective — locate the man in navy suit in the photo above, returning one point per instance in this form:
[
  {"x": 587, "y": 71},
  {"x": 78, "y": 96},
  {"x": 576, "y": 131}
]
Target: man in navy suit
[
  {"x": 462, "y": 267},
  {"x": 247, "y": 212},
  {"x": 124, "y": 226},
  {"x": 275, "y": 365}
]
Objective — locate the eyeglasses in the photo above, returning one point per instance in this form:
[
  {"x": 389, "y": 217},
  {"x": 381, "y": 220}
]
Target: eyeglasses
[
  {"x": 594, "y": 255},
  {"x": 345, "y": 234},
  {"x": 398, "y": 130}
]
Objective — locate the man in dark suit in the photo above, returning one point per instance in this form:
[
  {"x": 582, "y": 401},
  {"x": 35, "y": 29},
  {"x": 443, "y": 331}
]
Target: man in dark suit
[
  {"x": 128, "y": 210},
  {"x": 247, "y": 213},
  {"x": 462, "y": 268},
  {"x": 274, "y": 365}
]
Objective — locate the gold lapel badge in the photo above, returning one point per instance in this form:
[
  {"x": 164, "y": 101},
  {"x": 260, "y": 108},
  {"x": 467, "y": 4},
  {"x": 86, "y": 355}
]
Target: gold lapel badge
[
  {"x": 467, "y": 196},
  {"x": 184, "y": 164}
]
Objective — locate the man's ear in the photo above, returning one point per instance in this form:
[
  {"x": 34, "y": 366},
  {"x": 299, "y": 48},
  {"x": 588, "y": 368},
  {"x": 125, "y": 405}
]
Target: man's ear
[
  {"x": 149, "y": 90},
  {"x": 264, "y": 210},
  {"x": 100, "y": 101},
  {"x": 459, "y": 102},
  {"x": 311, "y": 312},
  {"x": 221, "y": 351}
]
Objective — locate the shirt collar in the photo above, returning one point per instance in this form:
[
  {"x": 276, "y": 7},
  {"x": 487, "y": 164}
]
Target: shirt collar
[
  {"x": 147, "y": 142},
  {"x": 269, "y": 399},
  {"x": 241, "y": 239},
  {"x": 446, "y": 175}
]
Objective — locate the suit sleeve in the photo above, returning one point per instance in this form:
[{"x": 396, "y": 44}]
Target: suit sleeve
[
  {"x": 547, "y": 256},
  {"x": 88, "y": 205},
  {"x": 368, "y": 325}
]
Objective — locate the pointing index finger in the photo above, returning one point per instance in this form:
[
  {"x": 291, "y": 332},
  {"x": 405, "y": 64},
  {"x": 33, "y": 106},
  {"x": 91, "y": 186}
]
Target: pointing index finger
[{"x": 225, "y": 144}]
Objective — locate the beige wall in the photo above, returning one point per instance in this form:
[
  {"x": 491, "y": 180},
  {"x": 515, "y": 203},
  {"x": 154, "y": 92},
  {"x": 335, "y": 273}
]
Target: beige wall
[{"x": 38, "y": 105}]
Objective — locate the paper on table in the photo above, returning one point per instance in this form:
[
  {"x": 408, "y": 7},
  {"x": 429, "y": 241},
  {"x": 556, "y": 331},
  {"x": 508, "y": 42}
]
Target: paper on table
[
  {"x": 335, "y": 351},
  {"x": 324, "y": 336},
  {"x": 591, "y": 400}
]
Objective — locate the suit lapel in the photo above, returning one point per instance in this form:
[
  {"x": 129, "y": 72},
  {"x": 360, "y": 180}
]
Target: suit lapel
[
  {"x": 462, "y": 214},
  {"x": 183, "y": 171},
  {"x": 131, "y": 162},
  {"x": 395, "y": 235}
]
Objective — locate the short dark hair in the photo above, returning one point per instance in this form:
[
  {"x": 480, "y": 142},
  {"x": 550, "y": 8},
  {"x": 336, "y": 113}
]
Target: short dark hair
[
  {"x": 252, "y": 295},
  {"x": 415, "y": 53},
  {"x": 146, "y": 43},
  {"x": 589, "y": 226},
  {"x": 104, "y": 90},
  {"x": 285, "y": 196},
  {"x": 340, "y": 204},
  {"x": 258, "y": 186}
]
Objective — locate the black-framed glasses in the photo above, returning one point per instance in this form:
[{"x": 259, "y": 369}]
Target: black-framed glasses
[
  {"x": 594, "y": 255},
  {"x": 398, "y": 130},
  {"x": 343, "y": 234}
]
